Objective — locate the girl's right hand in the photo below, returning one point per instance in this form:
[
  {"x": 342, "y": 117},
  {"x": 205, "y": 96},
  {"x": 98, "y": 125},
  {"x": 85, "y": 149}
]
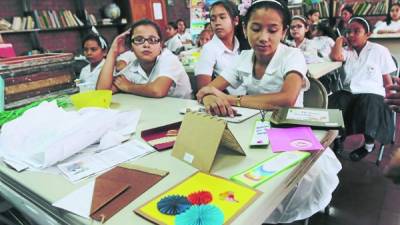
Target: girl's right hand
[
  {"x": 118, "y": 45},
  {"x": 217, "y": 105}
]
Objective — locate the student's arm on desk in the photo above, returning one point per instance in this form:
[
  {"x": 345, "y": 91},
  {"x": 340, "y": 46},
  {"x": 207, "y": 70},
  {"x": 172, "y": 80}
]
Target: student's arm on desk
[
  {"x": 337, "y": 53},
  {"x": 203, "y": 80},
  {"x": 157, "y": 89}
]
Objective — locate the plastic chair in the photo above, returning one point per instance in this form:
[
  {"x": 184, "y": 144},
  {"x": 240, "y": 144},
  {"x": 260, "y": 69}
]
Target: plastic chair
[
  {"x": 316, "y": 96},
  {"x": 382, "y": 148}
]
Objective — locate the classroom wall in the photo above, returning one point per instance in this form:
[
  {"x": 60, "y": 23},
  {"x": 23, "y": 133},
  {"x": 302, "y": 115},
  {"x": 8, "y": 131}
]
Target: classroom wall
[{"x": 179, "y": 10}]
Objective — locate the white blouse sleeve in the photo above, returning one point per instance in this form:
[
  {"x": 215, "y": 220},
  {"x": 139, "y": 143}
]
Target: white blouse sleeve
[
  {"x": 386, "y": 61},
  {"x": 169, "y": 66},
  {"x": 207, "y": 61}
]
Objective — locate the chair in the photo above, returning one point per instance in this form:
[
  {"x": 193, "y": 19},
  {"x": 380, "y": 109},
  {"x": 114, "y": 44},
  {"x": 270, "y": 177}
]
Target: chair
[
  {"x": 316, "y": 96},
  {"x": 382, "y": 148}
]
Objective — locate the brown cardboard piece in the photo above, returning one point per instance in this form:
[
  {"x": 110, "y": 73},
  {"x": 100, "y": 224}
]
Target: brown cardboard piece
[{"x": 199, "y": 139}]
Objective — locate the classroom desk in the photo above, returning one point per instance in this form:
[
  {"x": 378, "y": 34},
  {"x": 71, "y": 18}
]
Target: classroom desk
[
  {"x": 32, "y": 192},
  {"x": 390, "y": 41}
]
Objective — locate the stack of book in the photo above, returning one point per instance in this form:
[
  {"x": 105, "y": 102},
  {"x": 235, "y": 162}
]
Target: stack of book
[
  {"x": 323, "y": 8},
  {"x": 22, "y": 23},
  {"x": 50, "y": 19}
]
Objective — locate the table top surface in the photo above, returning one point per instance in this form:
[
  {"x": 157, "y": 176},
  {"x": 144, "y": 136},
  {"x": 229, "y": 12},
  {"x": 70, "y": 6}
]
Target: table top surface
[{"x": 157, "y": 112}]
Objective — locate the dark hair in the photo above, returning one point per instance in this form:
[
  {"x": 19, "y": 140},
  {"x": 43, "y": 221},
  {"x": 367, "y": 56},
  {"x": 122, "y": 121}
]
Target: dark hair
[
  {"x": 388, "y": 18},
  {"x": 173, "y": 25},
  {"x": 326, "y": 30},
  {"x": 180, "y": 20},
  {"x": 304, "y": 22},
  {"x": 145, "y": 22},
  {"x": 94, "y": 37},
  {"x": 281, "y": 8},
  {"x": 229, "y": 6},
  {"x": 311, "y": 12},
  {"x": 348, "y": 8},
  {"x": 363, "y": 21}
]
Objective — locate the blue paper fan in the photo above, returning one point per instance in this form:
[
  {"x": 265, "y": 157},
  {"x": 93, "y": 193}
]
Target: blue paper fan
[
  {"x": 200, "y": 215},
  {"x": 173, "y": 204}
]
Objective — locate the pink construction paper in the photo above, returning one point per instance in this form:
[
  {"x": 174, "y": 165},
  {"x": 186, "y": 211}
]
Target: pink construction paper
[{"x": 293, "y": 139}]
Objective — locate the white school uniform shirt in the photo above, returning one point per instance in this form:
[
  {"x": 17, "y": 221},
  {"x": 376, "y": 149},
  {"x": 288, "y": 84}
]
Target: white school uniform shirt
[
  {"x": 174, "y": 44},
  {"x": 127, "y": 56},
  {"x": 382, "y": 25},
  {"x": 364, "y": 72},
  {"x": 89, "y": 78},
  {"x": 216, "y": 57},
  {"x": 309, "y": 49},
  {"x": 324, "y": 46},
  {"x": 185, "y": 36},
  {"x": 285, "y": 59},
  {"x": 167, "y": 65}
]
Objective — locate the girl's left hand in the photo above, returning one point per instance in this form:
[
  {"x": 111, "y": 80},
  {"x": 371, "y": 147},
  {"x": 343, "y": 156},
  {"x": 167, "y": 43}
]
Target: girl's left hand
[
  {"x": 392, "y": 97},
  {"x": 209, "y": 90},
  {"x": 219, "y": 106},
  {"x": 122, "y": 83}
]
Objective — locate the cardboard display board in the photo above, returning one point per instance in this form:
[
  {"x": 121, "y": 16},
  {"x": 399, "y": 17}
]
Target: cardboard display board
[{"x": 199, "y": 139}]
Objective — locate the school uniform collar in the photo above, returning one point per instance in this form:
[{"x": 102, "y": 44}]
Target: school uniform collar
[
  {"x": 246, "y": 65},
  {"x": 221, "y": 46},
  {"x": 136, "y": 68},
  {"x": 368, "y": 46},
  {"x": 99, "y": 66}
]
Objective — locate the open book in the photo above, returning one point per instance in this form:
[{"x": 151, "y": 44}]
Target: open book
[{"x": 314, "y": 117}]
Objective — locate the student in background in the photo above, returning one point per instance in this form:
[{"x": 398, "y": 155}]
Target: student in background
[
  {"x": 392, "y": 23},
  {"x": 184, "y": 36},
  {"x": 313, "y": 18},
  {"x": 207, "y": 26},
  {"x": 95, "y": 49},
  {"x": 223, "y": 48},
  {"x": 367, "y": 69},
  {"x": 274, "y": 75},
  {"x": 346, "y": 14},
  {"x": 172, "y": 41},
  {"x": 299, "y": 37},
  {"x": 155, "y": 72},
  {"x": 323, "y": 40}
]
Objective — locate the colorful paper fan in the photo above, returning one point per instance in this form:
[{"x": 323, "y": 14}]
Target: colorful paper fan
[
  {"x": 173, "y": 204},
  {"x": 200, "y": 215},
  {"x": 200, "y": 198}
]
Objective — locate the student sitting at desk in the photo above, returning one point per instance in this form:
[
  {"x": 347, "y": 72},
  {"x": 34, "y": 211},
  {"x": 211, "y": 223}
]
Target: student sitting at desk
[
  {"x": 392, "y": 22},
  {"x": 299, "y": 37},
  {"x": 95, "y": 49},
  {"x": 271, "y": 79},
  {"x": 223, "y": 48},
  {"x": 155, "y": 72},
  {"x": 345, "y": 14},
  {"x": 323, "y": 40},
  {"x": 172, "y": 41},
  {"x": 367, "y": 71},
  {"x": 183, "y": 34}
]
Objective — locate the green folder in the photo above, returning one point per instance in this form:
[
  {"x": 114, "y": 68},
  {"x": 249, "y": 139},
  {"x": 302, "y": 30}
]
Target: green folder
[
  {"x": 316, "y": 118},
  {"x": 272, "y": 166}
]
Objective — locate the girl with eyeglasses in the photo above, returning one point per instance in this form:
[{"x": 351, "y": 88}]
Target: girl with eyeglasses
[
  {"x": 367, "y": 68},
  {"x": 299, "y": 37},
  {"x": 95, "y": 49},
  {"x": 274, "y": 74},
  {"x": 392, "y": 23},
  {"x": 155, "y": 72}
]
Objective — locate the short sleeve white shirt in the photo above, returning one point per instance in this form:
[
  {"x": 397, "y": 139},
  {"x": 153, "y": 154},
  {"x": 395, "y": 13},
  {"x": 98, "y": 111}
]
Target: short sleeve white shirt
[
  {"x": 174, "y": 44},
  {"x": 382, "y": 25},
  {"x": 215, "y": 57},
  {"x": 324, "y": 45},
  {"x": 167, "y": 65},
  {"x": 185, "y": 37},
  {"x": 285, "y": 60},
  {"x": 364, "y": 71},
  {"x": 89, "y": 78},
  {"x": 127, "y": 57}
]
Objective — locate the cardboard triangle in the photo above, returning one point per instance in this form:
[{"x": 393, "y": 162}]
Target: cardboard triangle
[
  {"x": 199, "y": 139},
  {"x": 105, "y": 191}
]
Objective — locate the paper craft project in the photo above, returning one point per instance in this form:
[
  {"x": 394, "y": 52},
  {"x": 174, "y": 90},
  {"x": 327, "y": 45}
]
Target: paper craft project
[
  {"x": 199, "y": 139},
  {"x": 269, "y": 168},
  {"x": 316, "y": 118},
  {"x": 241, "y": 115},
  {"x": 260, "y": 137},
  {"x": 292, "y": 139},
  {"x": 111, "y": 191},
  {"x": 162, "y": 138},
  {"x": 217, "y": 211}
]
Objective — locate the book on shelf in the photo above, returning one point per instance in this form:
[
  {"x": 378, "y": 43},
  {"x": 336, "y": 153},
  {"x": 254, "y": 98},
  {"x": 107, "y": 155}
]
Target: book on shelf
[{"x": 323, "y": 8}]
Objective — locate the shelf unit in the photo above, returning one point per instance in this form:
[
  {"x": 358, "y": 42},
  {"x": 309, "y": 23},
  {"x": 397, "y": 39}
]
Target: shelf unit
[{"x": 67, "y": 39}]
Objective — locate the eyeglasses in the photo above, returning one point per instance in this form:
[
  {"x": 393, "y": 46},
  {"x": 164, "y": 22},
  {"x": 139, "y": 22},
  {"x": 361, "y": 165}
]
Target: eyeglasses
[
  {"x": 139, "y": 40},
  {"x": 298, "y": 26}
]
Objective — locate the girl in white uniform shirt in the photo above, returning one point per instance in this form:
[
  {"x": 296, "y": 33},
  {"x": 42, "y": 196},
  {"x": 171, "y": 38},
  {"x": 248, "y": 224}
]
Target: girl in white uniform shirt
[
  {"x": 155, "y": 72},
  {"x": 392, "y": 23},
  {"x": 172, "y": 42},
  {"x": 299, "y": 37},
  {"x": 94, "y": 49},
  {"x": 222, "y": 50},
  {"x": 274, "y": 74},
  {"x": 367, "y": 67},
  {"x": 183, "y": 35}
]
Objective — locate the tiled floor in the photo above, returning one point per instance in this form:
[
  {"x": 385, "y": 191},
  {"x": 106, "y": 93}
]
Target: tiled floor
[{"x": 364, "y": 196}]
